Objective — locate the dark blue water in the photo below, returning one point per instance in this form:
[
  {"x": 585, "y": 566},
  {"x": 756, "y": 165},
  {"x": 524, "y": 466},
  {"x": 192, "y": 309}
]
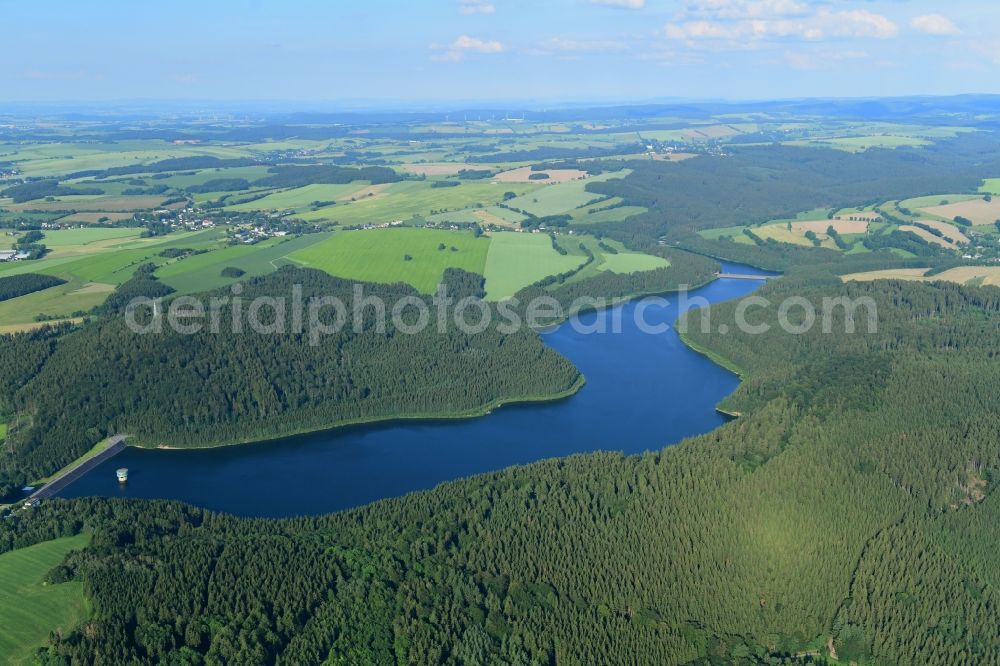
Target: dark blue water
[{"x": 643, "y": 391}]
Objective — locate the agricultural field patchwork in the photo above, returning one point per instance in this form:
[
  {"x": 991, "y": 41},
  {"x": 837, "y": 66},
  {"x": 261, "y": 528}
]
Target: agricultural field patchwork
[
  {"x": 612, "y": 210},
  {"x": 562, "y": 197},
  {"x": 58, "y": 159},
  {"x": 977, "y": 210},
  {"x": 616, "y": 260},
  {"x": 794, "y": 232},
  {"x": 859, "y": 230},
  {"x": 93, "y": 262},
  {"x": 861, "y": 143},
  {"x": 408, "y": 199},
  {"x": 524, "y": 175},
  {"x": 90, "y": 203},
  {"x": 301, "y": 198},
  {"x": 926, "y": 235},
  {"x": 949, "y": 230},
  {"x": 202, "y": 272},
  {"x": 967, "y": 275}
]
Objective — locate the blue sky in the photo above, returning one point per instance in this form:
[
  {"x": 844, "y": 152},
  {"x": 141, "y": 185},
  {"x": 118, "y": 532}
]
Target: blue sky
[{"x": 491, "y": 50}]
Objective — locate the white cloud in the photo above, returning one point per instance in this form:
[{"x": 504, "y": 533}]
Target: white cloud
[
  {"x": 743, "y": 24},
  {"x": 563, "y": 44},
  {"x": 862, "y": 23},
  {"x": 468, "y": 7},
  {"x": 934, "y": 24},
  {"x": 623, "y": 4},
  {"x": 746, "y": 9},
  {"x": 466, "y": 44}
]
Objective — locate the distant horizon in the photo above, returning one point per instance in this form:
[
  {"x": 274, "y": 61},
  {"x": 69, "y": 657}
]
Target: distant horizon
[{"x": 432, "y": 105}]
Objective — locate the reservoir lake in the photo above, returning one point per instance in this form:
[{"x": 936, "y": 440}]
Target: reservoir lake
[{"x": 643, "y": 392}]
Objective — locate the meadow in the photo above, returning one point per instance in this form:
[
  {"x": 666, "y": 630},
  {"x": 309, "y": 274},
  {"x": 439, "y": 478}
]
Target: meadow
[
  {"x": 524, "y": 174},
  {"x": 94, "y": 262},
  {"x": 861, "y": 143},
  {"x": 57, "y": 159},
  {"x": 599, "y": 215},
  {"x": 934, "y": 200},
  {"x": 201, "y": 176},
  {"x": 31, "y": 608},
  {"x": 90, "y": 203},
  {"x": 516, "y": 260},
  {"x": 617, "y": 260},
  {"x": 991, "y": 186},
  {"x": 379, "y": 255},
  {"x": 630, "y": 262},
  {"x": 562, "y": 197},
  {"x": 60, "y": 301},
  {"x": 202, "y": 272},
  {"x": 407, "y": 199},
  {"x": 301, "y": 198}
]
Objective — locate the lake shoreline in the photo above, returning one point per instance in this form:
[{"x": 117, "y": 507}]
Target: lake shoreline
[
  {"x": 468, "y": 414},
  {"x": 640, "y": 398},
  {"x": 473, "y": 413}
]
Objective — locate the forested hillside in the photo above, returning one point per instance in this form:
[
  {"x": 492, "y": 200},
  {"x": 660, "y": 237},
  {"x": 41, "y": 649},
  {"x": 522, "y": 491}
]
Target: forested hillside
[
  {"x": 237, "y": 386},
  {"x": 852, "y": 501},
  {"x": 760, "y": 183}
]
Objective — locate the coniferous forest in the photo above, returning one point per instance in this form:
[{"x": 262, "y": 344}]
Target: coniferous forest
[
  {"x": 846, "y": 505},
  {"x": 237, "y": 384}
]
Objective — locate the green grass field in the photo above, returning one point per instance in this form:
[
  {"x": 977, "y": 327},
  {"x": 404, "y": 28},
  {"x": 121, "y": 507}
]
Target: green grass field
[
  {"x": 108, "y": 267},
  {"x": 464, "y": 216},
  {"x": 60, "y": 301},
  {"x": 631, "y": 262},
  {"x": 735, "y": 232},
  {"x": 56, "y": 159},
  {"x": 78, "y": 238},
  {"x": 202, "y": 176},
  {"x": 30, "y": 609},
  {"x": 94, "y": 262},
  {"x": 300, "y": 198},
  {"x": 563, "y": 197},
  {"x": 991, "y": 186},
  {"x": 618, "y": 214},
  {"x": 623, "y": 261},
  {"x": 517, "y": 260},
  {"x": 204, "y": 271},
  {"x": 935, "y": 200},
  {"x": 378, "y": 255},
  {"x": 856, "y": 144},
  {"x": 91, "y": 203},
  {"x": 406, "y": 199}
]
